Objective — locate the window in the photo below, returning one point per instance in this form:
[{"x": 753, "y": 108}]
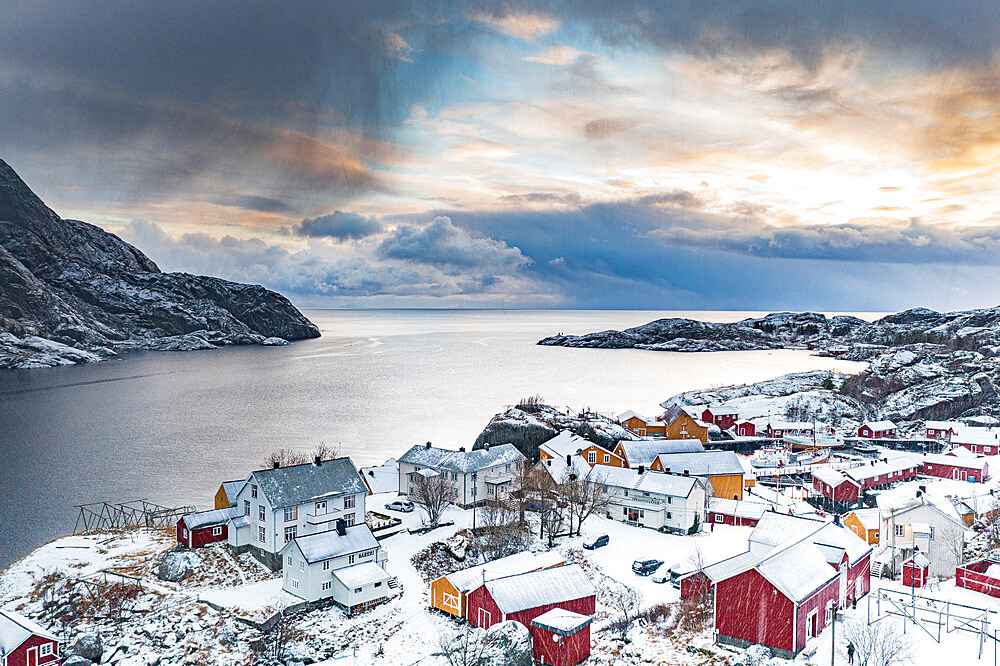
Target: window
[
  {"x": 592, "y": 457},
  {"x": 900, "y": 530},
  {"x": 489, "y": 490},
  {"x": 253, "y": 492},
  {"x": 349, "y": 519},
  {"x": 357, "y": 590},
  {"x": 295, "y": 584},
  {"x": 327, "y": 585},
  {"x": 184, "y": 533},
  {"x": 625, "y": 511},
  {"x": 261, "y": 534},
  {"x": 454, "y": 476},
  {"x": 288, "y": 559},
  {"x": 261, "y": 512},
  {"x": 669, "y": 515},
  {"x": 607, "y": 458},
  {"x": 669, "y": 499},
  {"x": 320, "y": 508},
  {"x": 506, "y": 468},
  {"x": 349, "y": 502},
  {"x": 291, "y": 513},
  {"x": 216, "y": 531},
  {"x": 326, "y": 565},
  {"x": 45, "y": 650},
  {"x": 246, "y": 507},
  {"x": 302, "y": 565},
  {"x": 350, "y": 559},
  {"x": 932, "y": 531},
  {"x": 289, "y": 533},
  {"x": 378, "y": 584}
]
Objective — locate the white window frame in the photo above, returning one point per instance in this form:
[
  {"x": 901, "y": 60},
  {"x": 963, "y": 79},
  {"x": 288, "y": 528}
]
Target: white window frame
[
  {"x": 217, "y": 531},
  {"x": 290, "y": 533},
  {"x": 291, "y": 513},
  {"x": 349, "y": 502},
  {"x": 592, "y": 457},
  {"x": 262, "y": 534},
  {"x": 253, "y": 491},
  {"x": 262, "y": 513}
]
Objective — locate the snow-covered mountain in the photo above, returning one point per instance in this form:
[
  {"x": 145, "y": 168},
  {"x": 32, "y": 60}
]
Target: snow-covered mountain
[{"x": 71, "y": 292}]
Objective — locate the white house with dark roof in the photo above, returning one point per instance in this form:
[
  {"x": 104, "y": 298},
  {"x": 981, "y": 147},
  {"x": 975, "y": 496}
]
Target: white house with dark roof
[
  {"x": 474, "y": 476},
  {"x": 345, "y": 564},
  {"x": 279, "y": 504}
]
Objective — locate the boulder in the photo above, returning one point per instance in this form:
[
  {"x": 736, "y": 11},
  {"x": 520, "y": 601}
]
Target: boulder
[
  {"x": 175, "y": 566},
  {"x": 77, "y": 660},
  {"x": 508, "y": 644},
  {"x": 88, "y": 646}
]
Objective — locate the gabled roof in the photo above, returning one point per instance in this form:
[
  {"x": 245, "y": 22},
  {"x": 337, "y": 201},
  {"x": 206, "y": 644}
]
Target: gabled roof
[
  {"x": 561, "y": 472},
  {"x": 869, "y": 518},
  {"x": 706, "y": 463},
  {"x": 561, "y": 621},
  {"x": 889, "y": 510},
  {"x": 200, "y": 519},
  {"x": 879, "y": 425},
  {"x": 15, "y": 629},
  {"x": 469, "y": 579},
  {"x": 327, "y": 545},
  {"x": 879, "y": 467},
  {"x": 625, "y": 416},
  {"x": 723, "y": 410},
  {"x": 567, "y": 443},
  {"x": 831, "y": 477},
  {"x": 775, "y": 528},
  {"x": 798, "y": 570},
  {"x": 539, "y": 588},
  {"x": 465, "y": 462},
  {"x": 956, "y": 460},
  {"x": 990, "y": 436},
  {"x": 738, "y": 508},
  {"x": 942, "y": 425},
  {"x": 232, "y": 489},
  {"x": 650, "y": 482},
  {"x": 357, "y": 575},
  {"x": 676, "y": 411},
  {"x": 297, "y": 484},
  {"x": 644, "y": 451},
  {"x": 791, "y": 425}
]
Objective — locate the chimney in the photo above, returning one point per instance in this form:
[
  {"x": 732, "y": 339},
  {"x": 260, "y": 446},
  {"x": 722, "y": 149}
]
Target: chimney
[
  {"x": 427, "y": 445},
  {"x": 341, "y": 527},
  {"x": 275, "y": 464},
  {"x": 885, "y": 460},
  {"x": 923, "y": 489},
  {"x": 569, "y": 460},
  {"x": 461, "y": 449},
  {"x": 687, "y": 472},
  {"x": 642, "y": 469},
  {"x": 836, "y": 519},
  {"x": 486, "y": 446},
  {"x": 317, "y": 461},
  {"x": 919, "y": 493}
]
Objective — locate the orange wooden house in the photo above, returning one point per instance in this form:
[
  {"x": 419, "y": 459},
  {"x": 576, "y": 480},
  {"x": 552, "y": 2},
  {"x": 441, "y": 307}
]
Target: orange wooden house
[
  {"x": 640, "y": 425},
  {"x": 721, "y": 468},
  {"x": 449, "y": 593},
  {"x": 225, "y": 496},
  {"x": 683, "y": 425},
  {"x": 864, "y": 523},
  {"x": 568, "y": 444}
]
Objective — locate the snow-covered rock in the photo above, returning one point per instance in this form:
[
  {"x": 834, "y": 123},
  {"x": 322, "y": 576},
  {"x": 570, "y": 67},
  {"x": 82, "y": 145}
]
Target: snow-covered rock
[
  {"x": 175, "y": 566},
  {"x": 274, "y": 342},
  {"x": 88, "y": 646},
  {"x": 76, "y": 660},
  {"x": 508, "y": 644}
]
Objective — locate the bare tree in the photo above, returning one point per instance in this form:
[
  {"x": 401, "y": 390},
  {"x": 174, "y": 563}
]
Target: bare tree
[
  {"x": 877, "y": 644},
  {"x": 500, "y": 532},
  {"x": 287, "y": 457},
  {"x": 697, "y": 562},
  {"x": 953, "y": 538},
  {"x": 433, "y": 494},
  {"x": 468, "y": 647},
  {"x": 275, "y": 638},
  {"x": 625, "y": 604},
  {"x": 583, "y": 497}
]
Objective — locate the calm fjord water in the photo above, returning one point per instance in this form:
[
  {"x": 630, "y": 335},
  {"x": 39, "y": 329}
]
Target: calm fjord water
[{"x": 169, "y": 427}]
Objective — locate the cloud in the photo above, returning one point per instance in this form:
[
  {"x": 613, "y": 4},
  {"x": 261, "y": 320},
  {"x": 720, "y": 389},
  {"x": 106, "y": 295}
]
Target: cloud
[
  {"x": 556, "y": 55},
  {"x": 527, "y": 26},
  {"x": 338, "y": 226},
  {"x": 607, "y": 127},
  {"x": 443, "y": 243},
  {"x": 253, "y": 202}
]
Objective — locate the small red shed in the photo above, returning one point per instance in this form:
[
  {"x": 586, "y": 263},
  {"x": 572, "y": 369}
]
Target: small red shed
[
  {"x": 915, "y": 570},
  {"x": 204, "y": 527},
  {"x": 877, "y": 430},
  {"x": 25, "y": 643},
  {"x": 960, "y": 468},
  {"x": 835, "y": 486},
  {"x": 746, "y": 429},
  {"x": 724, "y": 417},
  {"x": 561, "y": 637},
  {"x": 526, "y": 596}
]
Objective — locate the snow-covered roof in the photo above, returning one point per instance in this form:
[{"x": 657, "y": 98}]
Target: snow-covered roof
[
  {"x": 869, "y": 518},
  {"x": 469, "y": 579},
  {"x": 797, "y": 570},
  {"x": 539, "y": 588},
  {"x": 942, "y": 425},
  {"x": 15, "y": 629},
  {"x": 561, "y": 621},
  {"x": 976, "y": 436},
  {"x": 960, "y": 452},
  {"x": 200, "y": 519},
  {"x": 776, "y": 528},
  {"x": 357, "y": 575},
  {"x": 791, "y": 425},
  {"x": 844, "y": 538},
  {"x": 566, "y": 443},
  {"x": 891, "y": 506},
  {"x": 232, "y": 488},
  {"x": 326, "y": 545},
  {"x": 298, "y": 484},
  {"x": 691, "y": 411},
  {"x": 465, "y": 462},
  {"x": 879, "y": 425},
  {"x": 830, "y": 476},
  {"x": 631, "y": 415},
  {"x": 879, "y": 467},
  {"x": 919, "y": 560},
  {"x": 240, "y": 522},
  {"x": 561, "y": 472},
  {"x": 955, "y": 460},
  {"x": 644, "y": 451},
  {"x": 650, "y": 482},
  {"x": 706, "y": 463},
  {"x": 723, "y": 410},
  {"x": 738, "y": 508},
  {"x": 727, "y": 567}
]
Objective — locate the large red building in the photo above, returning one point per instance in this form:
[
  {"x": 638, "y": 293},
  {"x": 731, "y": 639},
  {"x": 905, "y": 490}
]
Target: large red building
[
  {"x": 960, "y": 467},
  {"x": 783, "y": 591},
  {"x": 886, "y": 471},
  {"x": 724, "y": 417},
  {"x": 25, "y": 643},
  {"x": 526, "y": 596},
  {"x": 835, "y": 485},
  {"x": 204, "y": 527}
]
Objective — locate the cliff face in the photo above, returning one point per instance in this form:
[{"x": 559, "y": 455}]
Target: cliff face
[{"x": 71, "y": 292}]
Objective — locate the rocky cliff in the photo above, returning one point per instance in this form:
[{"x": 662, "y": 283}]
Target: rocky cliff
[{"x": 71, "y": 292}]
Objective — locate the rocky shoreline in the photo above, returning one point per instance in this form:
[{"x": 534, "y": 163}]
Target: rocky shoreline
[{"x": 71, "y": 292}]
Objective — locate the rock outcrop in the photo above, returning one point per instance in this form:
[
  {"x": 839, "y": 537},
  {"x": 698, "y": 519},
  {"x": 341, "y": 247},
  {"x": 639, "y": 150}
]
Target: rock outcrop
[{"x": 71, "y": 292}]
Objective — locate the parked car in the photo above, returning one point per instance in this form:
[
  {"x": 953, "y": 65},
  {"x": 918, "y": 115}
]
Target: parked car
[
  {"x": 646, "y": 567},
  {"x": 597, "y": 543},
  {"x": 678, "y": 571},
  {"x": 405, "y": 506},
  {"x": 661, "y": 577}
]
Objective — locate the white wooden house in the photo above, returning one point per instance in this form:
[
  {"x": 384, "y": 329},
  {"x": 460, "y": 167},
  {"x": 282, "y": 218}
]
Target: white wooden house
[
  {"x": 933, "y": 525},
  {"x": 652, "y": 499},
  {"x": 279, "y": 504},
  {"x": 474, "y": 476}
]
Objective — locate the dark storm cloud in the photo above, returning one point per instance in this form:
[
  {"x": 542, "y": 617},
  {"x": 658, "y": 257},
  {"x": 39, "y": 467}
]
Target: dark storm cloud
[
  {"x": 444, "y": 244},
  {"x": 252, "y": 202},
  {"x": 338, "y": 226}
]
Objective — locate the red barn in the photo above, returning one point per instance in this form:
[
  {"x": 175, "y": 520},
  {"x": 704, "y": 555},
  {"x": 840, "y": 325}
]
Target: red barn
[
  {"x": 526, "y": 596},
  {"x": 835, "y": 486},
  {"x": 746, "y": 429},
  {"x": 25, "y": 643},
  {"x": 879, "y": 473},
  {"x": 877, "y": 430},
  {"x": 204, "y": 527},
  {"x": 782, "y": 591},
  {"x": 724, "y": 417},
  {"x": 915, "y": 570},
  {"x": 561, "y": 637},
  {"x": 961, "y": 468}
]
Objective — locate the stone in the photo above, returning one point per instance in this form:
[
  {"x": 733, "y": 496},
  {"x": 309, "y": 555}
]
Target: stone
[
  {"x": 175, "y": 566},
  {"x": 89, "y": 646}
]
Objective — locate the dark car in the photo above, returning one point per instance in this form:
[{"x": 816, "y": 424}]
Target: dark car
[
  {"x": 646, "y": 567},
  {"x": 597, "y": 543}
]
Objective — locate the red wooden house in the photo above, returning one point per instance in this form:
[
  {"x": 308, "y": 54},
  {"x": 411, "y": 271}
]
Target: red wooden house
[
  {"x": 943, "y": 430},
  {"x": 25, "y": 643},
  {"x": 783, "y": 590},
  {"x": 879, "y": 473},
  {"x": 877, "y": 430},
  {"x": 961, "y": 468},
  {"x": 725, "y": 511},
  {"x": 746, "y": 429},
  {"x": 204, "y": 527},
  {"x": 724, "y": 417},
  {"x": 984, "y": 441},
  {"x": 561, "y": 637},
  {"x": 835, "y": 485},
  {"x": 526, "y": 596},
  {"x": 779, "y": 429}
]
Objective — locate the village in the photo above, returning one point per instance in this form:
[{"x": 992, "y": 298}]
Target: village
[{"x": 700, "y": 536}]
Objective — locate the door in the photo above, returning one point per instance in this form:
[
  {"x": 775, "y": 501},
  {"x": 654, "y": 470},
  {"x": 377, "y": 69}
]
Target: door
[
  {"x": 812, "y": 624},
  {"x": 32, "y": 656},
  {"x": 485, "y": 619},
  {"x": 633, "y": 515}
]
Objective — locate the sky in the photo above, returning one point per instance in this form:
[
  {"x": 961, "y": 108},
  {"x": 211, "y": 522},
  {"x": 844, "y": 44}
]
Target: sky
[{"x": 664, "y": 155}]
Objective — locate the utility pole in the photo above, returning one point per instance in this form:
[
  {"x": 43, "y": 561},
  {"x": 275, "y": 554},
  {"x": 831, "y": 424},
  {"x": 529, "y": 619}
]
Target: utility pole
[{"x": 833, "y": 638}]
